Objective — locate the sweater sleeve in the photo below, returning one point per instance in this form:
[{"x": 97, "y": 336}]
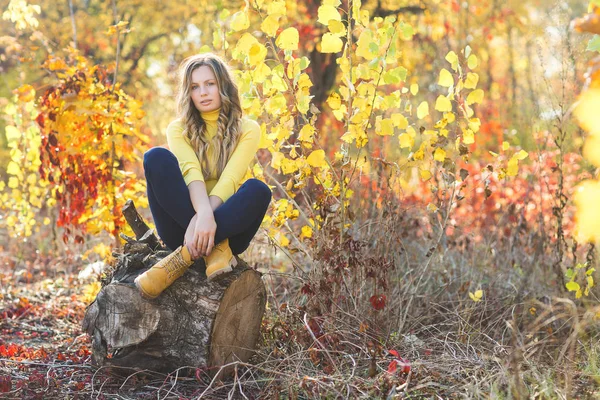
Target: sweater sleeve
[
  {"x": 181, "y": 147},
  {"x": 240, "y": 160}
]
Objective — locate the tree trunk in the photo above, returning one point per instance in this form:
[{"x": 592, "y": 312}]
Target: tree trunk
[{"x": 193, "y": 323}]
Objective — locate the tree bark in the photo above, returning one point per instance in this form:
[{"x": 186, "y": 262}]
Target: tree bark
[{"x": 193, "y": 323}]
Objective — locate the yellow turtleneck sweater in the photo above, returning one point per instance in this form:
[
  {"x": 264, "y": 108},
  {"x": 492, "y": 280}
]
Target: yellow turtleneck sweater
[{"x": 226, "y": 185}]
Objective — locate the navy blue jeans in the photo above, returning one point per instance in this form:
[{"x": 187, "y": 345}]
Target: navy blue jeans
[{"x": 237, "y": 219}]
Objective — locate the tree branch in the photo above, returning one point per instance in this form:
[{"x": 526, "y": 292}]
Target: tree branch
[
  {"x": 380, "y": 12},
  {"x": 136, "y": 53}
]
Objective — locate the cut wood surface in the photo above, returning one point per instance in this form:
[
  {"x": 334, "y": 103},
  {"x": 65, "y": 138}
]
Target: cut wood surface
[{"x": 193, "y": 323}]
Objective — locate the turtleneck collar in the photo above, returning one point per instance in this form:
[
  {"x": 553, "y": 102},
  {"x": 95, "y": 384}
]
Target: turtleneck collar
[{"x": 211, "y": 117}]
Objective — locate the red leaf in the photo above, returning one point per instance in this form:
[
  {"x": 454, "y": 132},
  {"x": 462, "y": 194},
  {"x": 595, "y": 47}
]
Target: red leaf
[
  {"x": 394, "y": 353},
  {"x": 392, "y": 367},
  {"x": 405, "y": 365},
  {"x": 12, "y": 349},
  {"x": 5, "y": 383},
  {"x": 378, "y": 301}
]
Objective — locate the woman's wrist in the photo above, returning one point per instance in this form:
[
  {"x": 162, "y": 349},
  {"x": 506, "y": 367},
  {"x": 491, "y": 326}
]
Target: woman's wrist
[{"x": 215, "y": 202}]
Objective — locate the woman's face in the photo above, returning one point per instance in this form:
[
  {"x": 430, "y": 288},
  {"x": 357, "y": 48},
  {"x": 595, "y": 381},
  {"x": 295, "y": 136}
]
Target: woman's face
[{"x": 205, "y": 90}]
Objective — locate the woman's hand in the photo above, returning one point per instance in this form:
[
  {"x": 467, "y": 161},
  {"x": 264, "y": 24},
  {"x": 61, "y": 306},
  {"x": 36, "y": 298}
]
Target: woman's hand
[
  {"x": 188, "y": 238},
  {"x": 200, "y": 234}
]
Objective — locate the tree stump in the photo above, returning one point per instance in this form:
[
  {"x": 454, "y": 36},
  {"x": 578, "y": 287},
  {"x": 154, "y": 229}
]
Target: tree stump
[{"x": 193, "y": 323}]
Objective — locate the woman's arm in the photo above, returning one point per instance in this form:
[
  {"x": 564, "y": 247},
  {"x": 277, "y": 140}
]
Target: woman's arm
[
  {"x": 200, "y": 234},
  {"x": 215, "y": 202},
  {"x": 185, "y": 154},
  {"x": 238, "y": 163}
]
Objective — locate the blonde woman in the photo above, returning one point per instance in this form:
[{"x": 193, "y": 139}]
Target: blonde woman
[{"x": 194, "y": 192}]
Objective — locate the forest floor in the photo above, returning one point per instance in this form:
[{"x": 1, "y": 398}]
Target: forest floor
[{"x": 449, "y": 349}]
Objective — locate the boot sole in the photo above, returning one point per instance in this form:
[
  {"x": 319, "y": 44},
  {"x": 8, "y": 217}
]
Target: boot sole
[{"x": 226, "y": 270}]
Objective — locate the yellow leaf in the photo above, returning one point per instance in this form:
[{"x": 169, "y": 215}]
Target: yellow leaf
[
  {"x": 505, "y": 146},
  {"x": 331, "y": 43},
  {"x": 586, "y": 111},
  {"x": 270, "y": 25},
  {"x": 11, "y": 221},
  {"x": 303, "y": 102},
  {"x": 306, "y": 133},
  {"x": 472, "y": 80},
  {"x": 239, "y": 21},
  {"x": 474, "y": 124},
  {"x": 452, "y": 58},
  {"x": 425, "y": 174},
  {"x": 399, "y": 121},
  {"x": 31, "y": 180},
  {"x": 414, "y": 89},
  {"x": 572, "y": 286},
  {"x": 423, "y": 110},
  {"x": 591, "y": 149},
  {"x": 439, "y": 155},
  {"x": 306, "y": 232},
  {"x": 245, "y": 43},
  {"x": 587, "y": 215},
  {"x": 476, "y": 96},
  {"x": 276, "y": 7},
  {"x": 26, "y": 93},
  {"x": 384, "y": 127},
  {"x": 13, "y": 169},
  {"x": 337, "y": 27},
  {"x": 334, "y": 101},
  {"x": 282, "y": 239},
  {"x": 317, "y": 159},
  {"x": 13, "y": 182},
  {"x": 432, "y": 207},
  {"x": 261, "y": 72},
  {"x": 12, "y": 133},
  {"x": 476, "y": 296},
  {"x": 276, "y": 160},
  {"x": 443, "y": 104},
  {"x": 289, "y": 166},
  {"x": 521, "y": 155},
  {"x": 288, "y": 39},
  {"x": 257, "y": 54},
  {"x": 327, "y": 13},
  {"x": 468, "y": 137},
  {"x": 446, "y": 78},
  {"x": 513, "y": 167},
  {"x": 90, "y": 291},
  {"x": 406, "y": 141},
  {"x": 472, "y": 61},
  {"x": 304, "y": 81},
  {"x": 364, "y": 45}
]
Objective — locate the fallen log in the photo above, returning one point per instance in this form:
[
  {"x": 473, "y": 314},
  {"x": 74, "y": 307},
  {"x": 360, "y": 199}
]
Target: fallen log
[{"x": 193, "y": 323}]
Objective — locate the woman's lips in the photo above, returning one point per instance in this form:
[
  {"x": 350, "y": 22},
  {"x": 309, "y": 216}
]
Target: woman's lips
[{"x": 205, "y": 102}]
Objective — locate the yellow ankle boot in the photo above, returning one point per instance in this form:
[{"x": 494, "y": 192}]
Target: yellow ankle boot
[
  {"x": 152, "y": 282},
  {"x": 220, "y": 260}
]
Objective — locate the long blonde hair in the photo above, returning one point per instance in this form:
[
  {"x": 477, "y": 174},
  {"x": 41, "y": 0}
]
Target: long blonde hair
[{"x": 229, "y": 123}]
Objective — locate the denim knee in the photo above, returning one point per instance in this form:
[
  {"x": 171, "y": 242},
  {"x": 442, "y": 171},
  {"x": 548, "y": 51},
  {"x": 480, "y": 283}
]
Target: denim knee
[
  {"x": 156, "y": 156},
  {"x": 260, "y": 190}
]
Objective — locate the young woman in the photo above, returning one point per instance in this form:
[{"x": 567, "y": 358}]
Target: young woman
[{"x": 194, "y": 192}]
